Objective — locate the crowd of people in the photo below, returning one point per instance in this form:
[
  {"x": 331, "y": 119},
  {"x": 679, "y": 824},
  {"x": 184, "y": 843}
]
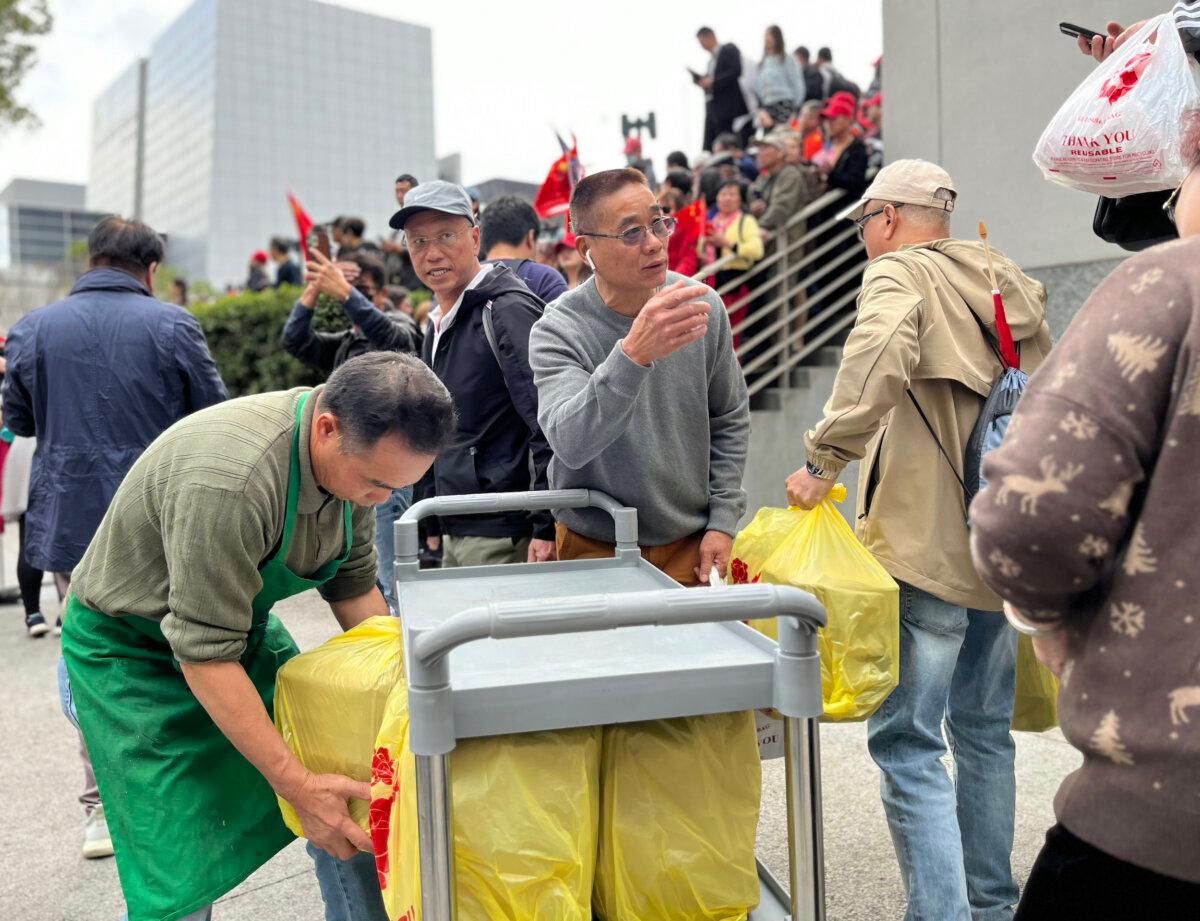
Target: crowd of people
[{"x": 591, "y": 359}]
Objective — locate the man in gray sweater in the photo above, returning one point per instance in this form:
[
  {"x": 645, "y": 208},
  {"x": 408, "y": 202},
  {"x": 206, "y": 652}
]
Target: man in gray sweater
[
  {"x": 640, "y": 396},
  {"x": 639, "y": 391}
]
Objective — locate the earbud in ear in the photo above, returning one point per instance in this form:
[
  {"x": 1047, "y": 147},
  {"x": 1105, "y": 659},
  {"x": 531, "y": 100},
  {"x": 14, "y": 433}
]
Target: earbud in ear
[{"x": 587, "y": 257}]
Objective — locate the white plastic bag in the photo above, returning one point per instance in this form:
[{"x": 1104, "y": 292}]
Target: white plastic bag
[{"x": 1118, "y": 134}]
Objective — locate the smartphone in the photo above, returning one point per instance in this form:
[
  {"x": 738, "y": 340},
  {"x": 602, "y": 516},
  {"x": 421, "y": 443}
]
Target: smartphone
[
  {"x": 1074, "y": 31},
  {"x": 318, "y": 239},
  {"x": 696, "y": 78}
]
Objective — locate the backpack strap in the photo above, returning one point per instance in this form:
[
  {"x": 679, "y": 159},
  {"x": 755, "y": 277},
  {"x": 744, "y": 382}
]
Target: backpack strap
[
  {"x": 938, "y": 442},
  {"x": 489, "y": 332}
]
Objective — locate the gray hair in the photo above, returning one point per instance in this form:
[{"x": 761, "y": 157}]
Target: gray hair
[
  {"x": 936, "y": 218},
  {"x": 387, "y": 393}
]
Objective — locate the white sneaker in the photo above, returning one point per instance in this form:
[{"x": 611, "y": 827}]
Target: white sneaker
[{"x": 96, "y": 842}]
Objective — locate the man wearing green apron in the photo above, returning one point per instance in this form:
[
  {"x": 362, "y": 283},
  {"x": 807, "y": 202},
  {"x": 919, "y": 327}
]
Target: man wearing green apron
[{"x": 172, "y": 649}]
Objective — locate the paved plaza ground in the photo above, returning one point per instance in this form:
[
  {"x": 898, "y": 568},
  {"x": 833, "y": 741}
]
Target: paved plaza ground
[{"x": 41, "y": 824}]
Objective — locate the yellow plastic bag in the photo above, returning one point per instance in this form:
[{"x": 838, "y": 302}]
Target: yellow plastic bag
[
  {"x": 1036, "y": 706},
  {"x": 525, "y": 815},
  {"x": 329, "y": 703},
  {"x": 816, "y": 551},
  {"x": 679, "y": 814}
]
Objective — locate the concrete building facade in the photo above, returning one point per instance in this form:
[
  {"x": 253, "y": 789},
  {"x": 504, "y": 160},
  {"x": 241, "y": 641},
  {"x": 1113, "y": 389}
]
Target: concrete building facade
[
  {"x": 242, "y": 100},
  {"x": 972, "y": 87}
]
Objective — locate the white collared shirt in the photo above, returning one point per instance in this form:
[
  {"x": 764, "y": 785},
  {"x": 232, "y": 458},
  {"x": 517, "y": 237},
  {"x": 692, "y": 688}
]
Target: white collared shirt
[{"x": 440, "y": 322}]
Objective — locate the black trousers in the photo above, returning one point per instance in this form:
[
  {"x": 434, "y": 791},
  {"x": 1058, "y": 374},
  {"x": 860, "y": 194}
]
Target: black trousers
[
  {"x": 28, "y": 579},
  {"x": 1073, "y": 881}
]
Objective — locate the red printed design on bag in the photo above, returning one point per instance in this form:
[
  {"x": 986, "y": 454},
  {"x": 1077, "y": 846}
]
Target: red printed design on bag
[
  {"x": 383, "y": 771},
  {"x": 739, "y": 571},
  {"x": 1121, "y": 84}
]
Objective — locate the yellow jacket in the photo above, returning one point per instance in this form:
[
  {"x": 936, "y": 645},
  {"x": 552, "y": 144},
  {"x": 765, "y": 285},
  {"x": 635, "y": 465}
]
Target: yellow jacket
[
  {"x": 915, "y": 331},
  {"x": 745, "y": 239}
]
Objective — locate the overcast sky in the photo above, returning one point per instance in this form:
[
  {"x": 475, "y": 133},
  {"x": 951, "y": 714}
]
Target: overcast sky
[{"x": 506, "y": 74}]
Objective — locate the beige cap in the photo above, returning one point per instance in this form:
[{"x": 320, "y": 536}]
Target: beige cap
[
  {"x": 910, "y": 182},
  {"x": 777, "y": 138}
]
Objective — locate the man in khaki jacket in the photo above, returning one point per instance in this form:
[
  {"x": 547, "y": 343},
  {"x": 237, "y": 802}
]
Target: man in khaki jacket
[{"x": 919, "y": 339}]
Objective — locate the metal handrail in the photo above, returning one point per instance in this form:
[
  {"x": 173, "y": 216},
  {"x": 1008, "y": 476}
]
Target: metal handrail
[{"x": 797, "y": 294}]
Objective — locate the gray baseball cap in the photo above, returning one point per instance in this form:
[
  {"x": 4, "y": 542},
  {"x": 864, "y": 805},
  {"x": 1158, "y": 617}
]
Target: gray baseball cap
[{"x": 438, "y": 195}]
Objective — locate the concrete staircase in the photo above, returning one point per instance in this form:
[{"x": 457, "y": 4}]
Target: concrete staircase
[{"x": 779, "y": 419}]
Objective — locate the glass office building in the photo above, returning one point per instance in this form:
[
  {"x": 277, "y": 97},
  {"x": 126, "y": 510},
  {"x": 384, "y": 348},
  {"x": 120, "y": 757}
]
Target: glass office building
[
  {"x": 242, "y": 100},
  {"x": 41, "y": 221}
]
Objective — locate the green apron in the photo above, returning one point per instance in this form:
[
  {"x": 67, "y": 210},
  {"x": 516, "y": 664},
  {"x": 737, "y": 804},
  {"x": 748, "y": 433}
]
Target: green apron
[{"x": 190, "y": 818}]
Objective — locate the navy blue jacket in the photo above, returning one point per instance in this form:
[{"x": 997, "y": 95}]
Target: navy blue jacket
[{"x": 97, "y": 377}]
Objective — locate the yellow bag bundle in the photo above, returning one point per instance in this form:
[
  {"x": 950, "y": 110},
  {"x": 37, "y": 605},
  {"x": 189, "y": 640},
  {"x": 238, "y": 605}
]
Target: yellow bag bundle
[
  {"x": 679, "y": 813},
  {"x": 816, "y": 551},
  {"x": 329, "y": 703},
  {"x": 1036, "y": 706},
  {"x": 525, "y": 811}
]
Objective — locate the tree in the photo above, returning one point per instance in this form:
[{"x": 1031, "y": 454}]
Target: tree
[
  {"x": 19, "y": 21},
  {"x": 1136, "y": 355},
  {"x": 1106, "y": 740},
  {"x": 1140, "y": 558}
]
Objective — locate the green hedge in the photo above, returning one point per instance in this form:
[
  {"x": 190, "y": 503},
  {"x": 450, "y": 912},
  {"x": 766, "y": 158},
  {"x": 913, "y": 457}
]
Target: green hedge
[{"x": 244, "y": 334}]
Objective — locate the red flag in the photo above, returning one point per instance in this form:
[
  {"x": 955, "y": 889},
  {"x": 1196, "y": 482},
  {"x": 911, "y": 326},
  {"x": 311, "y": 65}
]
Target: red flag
[
  {"x": 304, "y": 223},
  {"x": 690, "y": 220},
  {"x": 554, "y": 197},
  {"x": 1008, "y": 348}
]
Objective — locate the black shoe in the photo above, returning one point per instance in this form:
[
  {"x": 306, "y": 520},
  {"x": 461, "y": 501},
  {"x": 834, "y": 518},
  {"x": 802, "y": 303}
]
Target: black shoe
[
  {"x": 36, "y": 624},
  {"x": 58, "y": 626}
]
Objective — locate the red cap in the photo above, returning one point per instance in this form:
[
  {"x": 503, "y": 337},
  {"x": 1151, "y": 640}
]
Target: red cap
[
  {"x": 567, "y": 242},
  {"x": 876, "y": 100},
  {"x": 260, "y": 256},
  {"x": 633, "y": 145},
  {"x": 838, "y": 106}
]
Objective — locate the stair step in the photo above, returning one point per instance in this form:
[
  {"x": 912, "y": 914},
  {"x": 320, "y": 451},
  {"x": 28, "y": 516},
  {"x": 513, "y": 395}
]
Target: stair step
[
  {"x": 828, "y": 357},
  {"x": 769, "y": 399}
]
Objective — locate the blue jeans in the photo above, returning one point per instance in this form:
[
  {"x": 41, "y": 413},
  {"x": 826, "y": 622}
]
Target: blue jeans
[
  {"x": 349, "y": 888},
  {"x": 953, "y": 838},
  {"x": 386, "y": 514}
]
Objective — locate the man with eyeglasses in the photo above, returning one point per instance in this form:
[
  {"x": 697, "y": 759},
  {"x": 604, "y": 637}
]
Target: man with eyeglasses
[
  {"x": 918, "y": 366},
  {"x": 640, "y": 393},
  {"x": 477, "y": 343},
  {"x": 641, "y": 397}
]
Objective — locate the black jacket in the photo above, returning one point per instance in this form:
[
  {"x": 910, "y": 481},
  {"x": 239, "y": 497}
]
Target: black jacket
[
  {"x": 497, "y": 406},
  {"x": 378, "y": 332},
  {"x": 288, "y": 273},
  {"x": 728, "y": 101}
]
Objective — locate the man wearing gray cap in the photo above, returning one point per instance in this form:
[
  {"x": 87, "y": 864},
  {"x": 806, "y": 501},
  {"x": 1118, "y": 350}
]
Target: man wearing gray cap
[
  {"x": 921, "y": 360},
  {"x": 478, "y": 345}
]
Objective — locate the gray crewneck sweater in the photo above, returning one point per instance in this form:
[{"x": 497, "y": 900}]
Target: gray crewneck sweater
[{"x": 669, "y": 440}]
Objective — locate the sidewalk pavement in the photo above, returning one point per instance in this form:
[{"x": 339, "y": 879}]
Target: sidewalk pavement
[{"x": 41, "y": 830}]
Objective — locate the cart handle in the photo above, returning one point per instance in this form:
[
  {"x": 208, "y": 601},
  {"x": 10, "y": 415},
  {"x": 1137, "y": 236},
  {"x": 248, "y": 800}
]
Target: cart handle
[
  {"x": 797, "y": 690},
  {"x": 587, "y": 613},
  {"x": 624, "y": 519}
]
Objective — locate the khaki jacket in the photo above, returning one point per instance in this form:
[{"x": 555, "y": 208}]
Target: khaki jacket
[{"x": 914, "y": 332}]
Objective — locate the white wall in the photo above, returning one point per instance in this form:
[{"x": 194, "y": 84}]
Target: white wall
[{"x": 972, "y": 86}]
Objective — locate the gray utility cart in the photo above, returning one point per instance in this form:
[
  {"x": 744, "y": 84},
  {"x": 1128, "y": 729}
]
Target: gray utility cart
[{"x": 489, "y": 651}]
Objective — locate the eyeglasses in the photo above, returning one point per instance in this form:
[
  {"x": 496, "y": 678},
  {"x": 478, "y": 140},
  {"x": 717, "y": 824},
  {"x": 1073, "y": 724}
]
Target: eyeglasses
[
  {"x": 661, "y": 227},
  {"x": 1173, "y": 199},
  {"x": 442, "y": 240},
  {"x": 861, "y": 223}
]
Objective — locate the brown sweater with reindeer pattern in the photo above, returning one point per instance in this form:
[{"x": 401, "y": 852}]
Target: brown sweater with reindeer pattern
[{"x": 1092, "y": 518}]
